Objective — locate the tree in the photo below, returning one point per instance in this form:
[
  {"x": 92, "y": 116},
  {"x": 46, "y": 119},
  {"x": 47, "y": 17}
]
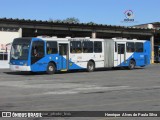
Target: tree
[
  {"x": 57, "y": 20},
  {"x": 67, "y": 20},
  {"x": 71, "y": 20},
  {"x": 50, "y": 20},
  {"x": 91, "y": 23}
]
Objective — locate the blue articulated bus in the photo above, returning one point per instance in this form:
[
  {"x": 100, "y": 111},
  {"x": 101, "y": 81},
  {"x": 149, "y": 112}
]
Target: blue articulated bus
[{"x": 53, "y": 54}]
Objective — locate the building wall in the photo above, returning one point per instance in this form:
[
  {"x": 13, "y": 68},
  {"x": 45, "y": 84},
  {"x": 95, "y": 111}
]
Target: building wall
[{"x": 6, "y": 39}]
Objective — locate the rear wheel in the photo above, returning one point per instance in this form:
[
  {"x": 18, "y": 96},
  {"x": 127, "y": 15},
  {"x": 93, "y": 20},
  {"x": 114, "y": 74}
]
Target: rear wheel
[
  {"x": 143, "y": 66},
  {"x": 32, "y": 73},
  {"x": 132, "y": 65},
  {"x": 51, "y": 68},
  {"x": 90, "y": 66}
]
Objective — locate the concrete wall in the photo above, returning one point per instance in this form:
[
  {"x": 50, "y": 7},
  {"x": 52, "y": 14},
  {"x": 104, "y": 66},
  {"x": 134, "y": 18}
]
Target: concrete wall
[
  {"x": 6, "y": 38},
  {"x": 150, "y": 26}
]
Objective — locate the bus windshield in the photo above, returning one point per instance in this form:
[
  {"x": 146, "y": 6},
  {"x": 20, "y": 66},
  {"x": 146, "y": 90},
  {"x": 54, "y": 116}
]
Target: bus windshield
[{"x": 20, "y": 49}]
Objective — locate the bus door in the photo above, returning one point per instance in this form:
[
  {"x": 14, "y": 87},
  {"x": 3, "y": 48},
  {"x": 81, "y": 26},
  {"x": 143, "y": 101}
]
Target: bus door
[
  {"x": 37, "y": 53},
  {"x": 64, "y": 56},
  {"x": 121, "y": 53}
]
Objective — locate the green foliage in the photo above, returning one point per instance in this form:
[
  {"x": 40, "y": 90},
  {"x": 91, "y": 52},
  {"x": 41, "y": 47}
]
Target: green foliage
[
  {"x": 67, "y": 20},
  {"x": 91, "y": 23},
  {"x": 71, "y": 20}
]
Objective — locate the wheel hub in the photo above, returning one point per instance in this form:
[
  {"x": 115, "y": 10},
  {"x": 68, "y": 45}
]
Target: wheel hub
[
  {"x": 91, "y": 67},
  {"x": 50, "y": 68}
]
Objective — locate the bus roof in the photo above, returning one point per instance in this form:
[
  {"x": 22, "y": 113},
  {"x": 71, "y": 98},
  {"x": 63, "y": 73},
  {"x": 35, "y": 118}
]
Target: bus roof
[
  {"x": 88, "y": 39},
  {"x": 70, "y": 39}
]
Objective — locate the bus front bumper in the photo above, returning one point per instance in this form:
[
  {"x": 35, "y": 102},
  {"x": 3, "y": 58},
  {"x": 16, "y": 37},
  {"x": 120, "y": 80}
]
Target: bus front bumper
[{"x": 20, "y": 68}]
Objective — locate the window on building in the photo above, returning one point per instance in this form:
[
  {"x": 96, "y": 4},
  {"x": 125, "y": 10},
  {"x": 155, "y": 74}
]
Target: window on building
[
  {"x": 51, "y": 47},
  {"x": 138, "y": 47},
  {"x": 75, "y": 47},
  {"x": 130, "y": 47},
  {"x": 97, "y": 46},
  {"x": 87, "y": 47},
  {"x": 3, "y": 56}
]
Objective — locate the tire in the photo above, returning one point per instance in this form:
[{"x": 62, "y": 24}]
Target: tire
[
  {"x": 115, "y": 68},
  {"x": 142, "y": 66},
  {"x": 32, "y": 73},
  {"x": 51, "y": 68},
  {"x": 132, "y": 65},
  {"x": 90, "y": 66}
]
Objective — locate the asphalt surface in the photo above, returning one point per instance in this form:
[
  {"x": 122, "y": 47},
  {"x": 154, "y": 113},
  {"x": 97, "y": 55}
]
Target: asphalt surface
[{"x": 102, "y": 90}]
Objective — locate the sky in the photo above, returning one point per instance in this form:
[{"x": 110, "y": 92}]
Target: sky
[{"x": 110, "y": 12}]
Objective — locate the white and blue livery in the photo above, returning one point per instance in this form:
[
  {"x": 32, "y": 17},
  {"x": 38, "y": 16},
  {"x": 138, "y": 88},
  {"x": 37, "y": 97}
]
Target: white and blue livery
[{"x": 53, "y": 54}]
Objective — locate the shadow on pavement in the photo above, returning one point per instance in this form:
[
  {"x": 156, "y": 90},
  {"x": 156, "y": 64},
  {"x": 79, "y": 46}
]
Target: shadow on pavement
[{"x": 71, "y": 71}]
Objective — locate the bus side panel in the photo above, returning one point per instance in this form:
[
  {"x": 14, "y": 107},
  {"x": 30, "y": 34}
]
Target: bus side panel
[
  {"x": 147, "y": 49},
  {"x": 80, "y": 61},
  {"x": 75, "y": 61},
  {"x": 141, "y": 58},
  {"x": 138, "y": 57},
  {"x": 42, "y": 64},
  {"x": 75, "y": 65}
]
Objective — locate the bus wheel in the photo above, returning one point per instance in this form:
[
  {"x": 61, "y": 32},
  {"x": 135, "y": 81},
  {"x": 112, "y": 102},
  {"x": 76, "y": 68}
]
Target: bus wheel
[
  {"x": 142, "y": 66},
  {"x": 90, "y": 66},
  {"x": 51, "y": 68},
  {"x": 132, "y": 65}
]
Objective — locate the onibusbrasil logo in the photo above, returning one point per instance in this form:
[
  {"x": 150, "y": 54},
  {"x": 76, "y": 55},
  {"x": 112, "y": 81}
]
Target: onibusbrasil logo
[{"x": 129, "y": 16}]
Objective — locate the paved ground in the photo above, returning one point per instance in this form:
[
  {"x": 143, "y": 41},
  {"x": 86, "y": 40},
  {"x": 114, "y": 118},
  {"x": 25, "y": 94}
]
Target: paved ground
[{"x": 102, "y": 90}]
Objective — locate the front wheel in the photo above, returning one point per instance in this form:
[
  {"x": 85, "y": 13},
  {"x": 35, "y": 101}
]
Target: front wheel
[
  {"x": 132, "y": 65},
  {"x": 51, "y": 68},
  {"x": 90, "y": 66}
]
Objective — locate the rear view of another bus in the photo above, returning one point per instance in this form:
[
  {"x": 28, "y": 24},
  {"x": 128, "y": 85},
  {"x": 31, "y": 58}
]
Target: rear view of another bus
[
  {"x": 19, "y": 57},
  {"x": 157, "y": 54}
]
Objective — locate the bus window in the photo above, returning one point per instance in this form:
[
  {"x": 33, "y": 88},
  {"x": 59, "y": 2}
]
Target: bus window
[
  {"x": 37, "y": 51},
  {"x": 75, "y": 47},
  {"x": 51, "y": 47},
  {"x": 87, "y": 47},
  {"x": 130, "y": 47},
  {"x": 115, "y": 47},
  {"x": 63, "y": 49},
  {"x": 121, "y": 48},
  {"x": 97, "y": 46},
  {"x": 20, "y": 49},
  {"x": 138, "y": 47}
]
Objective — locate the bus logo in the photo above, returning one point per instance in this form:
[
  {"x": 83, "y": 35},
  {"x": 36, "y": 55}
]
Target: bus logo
[{"x": 6, "y": 114}]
